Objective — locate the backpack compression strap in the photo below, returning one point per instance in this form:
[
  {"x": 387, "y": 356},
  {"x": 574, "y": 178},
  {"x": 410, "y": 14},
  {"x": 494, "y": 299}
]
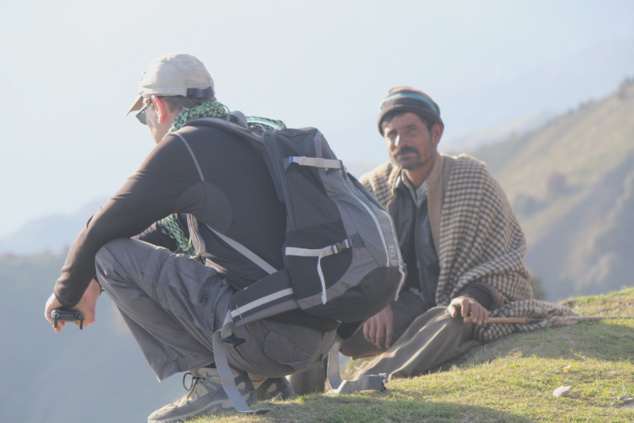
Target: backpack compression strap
[
  {"x": 321, "y": 253},
  {"x": 219, "y": 341}
]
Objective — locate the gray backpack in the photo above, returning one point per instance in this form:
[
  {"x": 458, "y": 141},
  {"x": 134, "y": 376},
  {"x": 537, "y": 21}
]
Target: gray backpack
[{"x": 341, "y": 255}]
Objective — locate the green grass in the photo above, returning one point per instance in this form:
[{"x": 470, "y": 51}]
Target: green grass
[{"x": 509, "y": 380}]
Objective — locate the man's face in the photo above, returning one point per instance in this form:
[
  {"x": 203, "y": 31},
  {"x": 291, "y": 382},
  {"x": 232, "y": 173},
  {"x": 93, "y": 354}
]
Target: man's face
[{"x": 410, "y": 144}]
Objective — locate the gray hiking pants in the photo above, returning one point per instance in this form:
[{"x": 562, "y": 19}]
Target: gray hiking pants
[
  {"x": 423, "y": 342},
  {"x": 173, "y": 306}
]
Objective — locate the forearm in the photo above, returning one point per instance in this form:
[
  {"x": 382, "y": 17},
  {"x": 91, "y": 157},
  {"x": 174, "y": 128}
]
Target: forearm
[{"x": 122, "y": 217}]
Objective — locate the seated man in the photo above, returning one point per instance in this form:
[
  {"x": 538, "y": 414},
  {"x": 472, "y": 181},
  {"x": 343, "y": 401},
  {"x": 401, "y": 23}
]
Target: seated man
[
  {"x": 460, "y": 240},
  {"x": 173, "y": 304}
]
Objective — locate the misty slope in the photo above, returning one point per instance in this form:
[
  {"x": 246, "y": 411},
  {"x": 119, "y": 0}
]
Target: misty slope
[
  {"x": 94, "y": 375},
  {"x": 48, "y": 233},
  {"x": 571, "y": 182}
]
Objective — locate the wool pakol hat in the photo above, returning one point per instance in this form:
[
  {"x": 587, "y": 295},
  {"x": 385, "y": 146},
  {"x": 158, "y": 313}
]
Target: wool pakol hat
[
  {"x": 407, "y": 99},
  {"x": 174, "y": 74}
]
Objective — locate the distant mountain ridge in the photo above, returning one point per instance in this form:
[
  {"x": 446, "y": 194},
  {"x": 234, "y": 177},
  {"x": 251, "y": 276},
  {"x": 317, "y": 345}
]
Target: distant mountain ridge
[
  {"x": 499, "y": 133},
  {"x": 51, "y": 233},
  {"x": 571, "y": 183}
]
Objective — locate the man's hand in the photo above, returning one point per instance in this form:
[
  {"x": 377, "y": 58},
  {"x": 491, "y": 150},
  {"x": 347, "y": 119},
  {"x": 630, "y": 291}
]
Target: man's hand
[
  {"x": 468, "y": 307},
  {"x": 378, "y": 329},
  {"x": 86, "y": 306}
]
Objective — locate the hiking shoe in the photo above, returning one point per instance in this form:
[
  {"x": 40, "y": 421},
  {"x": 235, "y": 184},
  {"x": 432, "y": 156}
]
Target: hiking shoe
[
  {"x": 272, "y": 388},
  {"x": 205, "y": 396}
]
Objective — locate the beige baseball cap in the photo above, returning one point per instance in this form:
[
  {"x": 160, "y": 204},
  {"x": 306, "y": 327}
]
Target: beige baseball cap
[{"x": 174, "y": 74}]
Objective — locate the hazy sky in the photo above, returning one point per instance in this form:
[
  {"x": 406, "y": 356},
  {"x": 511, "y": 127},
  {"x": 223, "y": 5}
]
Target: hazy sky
[{"x": 70, "y": 69}]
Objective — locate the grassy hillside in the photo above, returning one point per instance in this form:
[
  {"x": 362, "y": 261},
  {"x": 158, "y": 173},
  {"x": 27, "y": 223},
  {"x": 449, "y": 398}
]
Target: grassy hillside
[
  {"x": 571, "y": 182},
  {"x": 510, "y": 380}
]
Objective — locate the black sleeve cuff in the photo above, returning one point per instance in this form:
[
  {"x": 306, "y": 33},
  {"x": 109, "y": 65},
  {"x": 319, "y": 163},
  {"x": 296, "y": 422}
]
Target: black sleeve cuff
[{"x": 482, "y": 293}]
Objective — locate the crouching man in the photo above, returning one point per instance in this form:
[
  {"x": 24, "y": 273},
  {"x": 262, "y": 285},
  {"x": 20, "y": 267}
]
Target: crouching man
[{"x": 174, "y": 304}]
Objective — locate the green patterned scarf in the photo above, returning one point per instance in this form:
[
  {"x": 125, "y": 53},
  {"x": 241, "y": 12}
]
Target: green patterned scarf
[
  {"x": 169, "y": 226},
  {"x": 206, "y": 109}
]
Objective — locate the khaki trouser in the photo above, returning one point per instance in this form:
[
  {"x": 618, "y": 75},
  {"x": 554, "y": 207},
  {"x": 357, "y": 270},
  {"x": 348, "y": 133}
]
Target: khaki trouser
[
  {"x": 429, "y": 340},
  {"x": 432, "y": 339}
]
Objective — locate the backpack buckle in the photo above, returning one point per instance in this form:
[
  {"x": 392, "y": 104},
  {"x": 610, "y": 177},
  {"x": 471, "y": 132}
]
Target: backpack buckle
[{"x": 341, "y": 246}]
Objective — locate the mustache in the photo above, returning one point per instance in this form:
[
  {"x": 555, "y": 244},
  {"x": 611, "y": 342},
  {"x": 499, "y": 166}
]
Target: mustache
[{"x": 407, "y": 149}]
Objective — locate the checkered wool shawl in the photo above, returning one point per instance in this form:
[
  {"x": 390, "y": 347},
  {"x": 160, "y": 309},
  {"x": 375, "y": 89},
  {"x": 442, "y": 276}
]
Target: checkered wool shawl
[{"x": 480, "y": 241}]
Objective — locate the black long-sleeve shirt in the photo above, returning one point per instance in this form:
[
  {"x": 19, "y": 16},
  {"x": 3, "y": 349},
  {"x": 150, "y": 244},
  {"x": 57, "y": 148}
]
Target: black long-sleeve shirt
[{"x": 237, "y": 198}]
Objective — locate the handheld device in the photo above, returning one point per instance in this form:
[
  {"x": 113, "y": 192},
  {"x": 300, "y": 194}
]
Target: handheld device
[{"x": 63, "y": 315}]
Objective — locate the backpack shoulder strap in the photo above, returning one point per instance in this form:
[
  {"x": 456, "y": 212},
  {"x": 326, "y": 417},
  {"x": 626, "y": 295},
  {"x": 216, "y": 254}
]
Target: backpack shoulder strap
[{"x": 235, "y": 123}]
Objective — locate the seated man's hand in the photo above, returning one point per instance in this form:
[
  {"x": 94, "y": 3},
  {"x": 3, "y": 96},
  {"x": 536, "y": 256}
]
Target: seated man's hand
[
  {"x": 378, "y": 329},
  {"x": 468, "y": 307}
]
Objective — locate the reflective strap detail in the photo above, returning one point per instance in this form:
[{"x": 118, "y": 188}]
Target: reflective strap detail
[
  {"x": 245, "y": 252},
  {"x": 376, "y": 223},
  {"x": 401, "y": 270},
  {"x": 320, "y": 253},
  {"x": 261, "y": 301},
  {"x": 317, "y": 252},
  {"x": 316, "y": 162}
]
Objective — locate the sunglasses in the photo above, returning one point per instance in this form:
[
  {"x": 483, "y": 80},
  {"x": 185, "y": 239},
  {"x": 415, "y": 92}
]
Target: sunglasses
[{"x": 141, "y": 115}]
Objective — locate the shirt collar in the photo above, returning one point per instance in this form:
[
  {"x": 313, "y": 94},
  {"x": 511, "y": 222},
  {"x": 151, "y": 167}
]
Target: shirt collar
[{"x": 418, "y": 194}]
